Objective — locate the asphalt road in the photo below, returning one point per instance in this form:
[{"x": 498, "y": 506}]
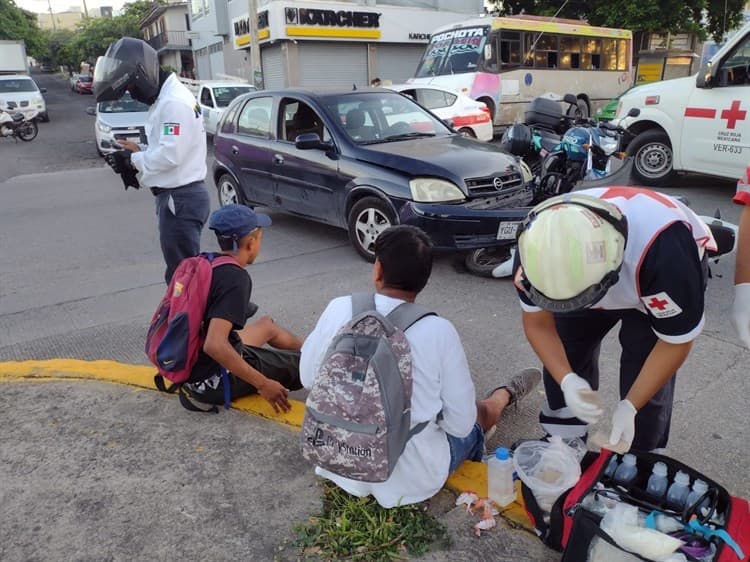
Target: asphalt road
[{"x": 80, "y": 276}]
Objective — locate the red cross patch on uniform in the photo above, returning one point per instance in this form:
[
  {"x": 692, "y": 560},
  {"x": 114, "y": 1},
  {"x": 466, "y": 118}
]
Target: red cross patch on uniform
[{"x": 661, "y": 305}]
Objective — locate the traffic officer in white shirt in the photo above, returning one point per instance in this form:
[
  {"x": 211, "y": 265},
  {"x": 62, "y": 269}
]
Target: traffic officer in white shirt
[
  {"x": 590, "y": 259},
  {"x": 741, "y": 306},
  {"x": 173, "y": 162}
]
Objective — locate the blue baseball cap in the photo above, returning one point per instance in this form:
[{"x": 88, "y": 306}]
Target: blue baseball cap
[{"x": 236, "y": 221}]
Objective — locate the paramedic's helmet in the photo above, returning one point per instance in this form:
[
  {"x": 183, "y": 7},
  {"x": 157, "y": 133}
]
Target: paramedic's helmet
[
  {"x": 573, "y": 141},
  {"x": 571, "y": 249},
  {"x": 129, "y": 64}
]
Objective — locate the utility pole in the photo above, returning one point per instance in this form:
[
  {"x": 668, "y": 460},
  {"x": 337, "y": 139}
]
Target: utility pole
[
  {"x": 51, "y": 15},
  {"x": 85, "y": 10},
  {"x": 255, "y": 65}
]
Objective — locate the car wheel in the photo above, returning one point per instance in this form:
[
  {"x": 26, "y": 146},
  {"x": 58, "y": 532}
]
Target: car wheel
[
  {"x": 44, "y": 117},
  {"x": 467, "y": 132},
  {"x": 228, "y": 190},
  {"x": 29, "y": 131},
  {"x": 652, "y": 158},
  {"x": 483, "y": 261},
  {"x": 367, "y": 219}
]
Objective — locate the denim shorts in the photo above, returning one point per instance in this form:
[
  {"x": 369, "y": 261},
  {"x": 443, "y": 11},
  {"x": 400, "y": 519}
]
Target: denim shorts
[{"x": 469, "y": 448}]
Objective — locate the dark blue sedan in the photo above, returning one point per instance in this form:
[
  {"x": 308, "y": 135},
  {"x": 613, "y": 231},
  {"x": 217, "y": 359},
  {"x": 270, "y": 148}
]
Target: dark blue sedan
[{"x": 364, "y": 160}]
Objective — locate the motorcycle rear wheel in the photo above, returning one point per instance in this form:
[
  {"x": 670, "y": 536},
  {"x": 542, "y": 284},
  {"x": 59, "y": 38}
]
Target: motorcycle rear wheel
[
  {"x": 483, "y": 261},
  {"x": 28, "y": 132}
]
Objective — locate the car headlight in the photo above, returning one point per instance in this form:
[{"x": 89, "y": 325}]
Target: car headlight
[
  {"x": 619, "y": 108},
  {"x": 37, "y": 100},
  {"x": 432, "y": 190},
  {"x": 103, "y": 127}
]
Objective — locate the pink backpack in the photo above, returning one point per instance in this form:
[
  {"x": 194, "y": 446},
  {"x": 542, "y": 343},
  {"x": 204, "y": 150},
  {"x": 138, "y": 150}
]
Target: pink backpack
[{"x": 176, "y": 334}]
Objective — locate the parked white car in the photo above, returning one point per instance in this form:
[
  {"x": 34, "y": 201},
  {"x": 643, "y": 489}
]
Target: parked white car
[
  {"x": 469, "y": 116},
  {"x": 72, "y": 80},
  {"x": 19, "y": 93},
  {"x": 214, "y": 97},
  {"x": 123, "y": 119}
]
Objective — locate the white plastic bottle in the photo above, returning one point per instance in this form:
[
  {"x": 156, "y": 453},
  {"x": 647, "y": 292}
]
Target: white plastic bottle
[
  {"x": 699, "y": 488},
  {"x": 627, "y": 471},
  {"x": 679, "y": 490},
  {"x": 500, "y": 478},
  {"x": 657, "y": 482},
  {"x": 611, "y": 467}
]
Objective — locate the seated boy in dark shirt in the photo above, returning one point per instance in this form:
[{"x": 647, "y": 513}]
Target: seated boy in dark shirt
[{"x": 230, "y": 344}]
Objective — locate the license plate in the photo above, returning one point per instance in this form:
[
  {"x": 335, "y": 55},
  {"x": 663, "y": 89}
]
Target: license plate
[
  {"x": 133, "y": 139},
  {"x": 507, "y": 230}
]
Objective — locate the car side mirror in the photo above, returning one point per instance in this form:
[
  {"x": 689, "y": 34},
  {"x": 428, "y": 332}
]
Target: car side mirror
[
  {"x": 634, "y": 112},
  {"x": 91, "y": 110},
  {"x": 309, "y": 141},
  {"x": 449, "y": 123},
  {"x": 706, "y": 76},
  {"x": 43, "y": 90}
]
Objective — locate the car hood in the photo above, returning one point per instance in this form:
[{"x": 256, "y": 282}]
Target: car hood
[
  {"x": 453, "y": 157},
  {"x": 123, "y": 120}
]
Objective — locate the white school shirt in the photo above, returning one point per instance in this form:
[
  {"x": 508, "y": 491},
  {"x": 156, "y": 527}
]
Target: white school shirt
[
  {"x": 442, "y": 381},
  {"x": 176, "y": 151}
]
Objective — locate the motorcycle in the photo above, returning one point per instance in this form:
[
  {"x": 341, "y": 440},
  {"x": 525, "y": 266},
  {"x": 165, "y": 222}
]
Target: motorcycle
[{"x": 18, "y": 126}]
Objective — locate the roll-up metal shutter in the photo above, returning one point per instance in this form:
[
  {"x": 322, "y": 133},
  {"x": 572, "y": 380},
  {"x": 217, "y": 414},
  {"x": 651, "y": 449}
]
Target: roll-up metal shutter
[
  {"x": 203, "y": 65},
  {"x": 273, "y": 67},
  {"x": 333, "y": 64},
  {"x": 397, "y": 62}
]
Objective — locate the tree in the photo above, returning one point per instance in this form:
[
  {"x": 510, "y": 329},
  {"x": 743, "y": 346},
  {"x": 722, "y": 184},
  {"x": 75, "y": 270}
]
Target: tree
[
  {"x": 702, "y": 17},
  {"x": 16, "y": 24}
]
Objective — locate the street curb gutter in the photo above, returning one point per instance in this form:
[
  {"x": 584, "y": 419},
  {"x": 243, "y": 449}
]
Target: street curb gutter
[{"x": 469, "y": 476}]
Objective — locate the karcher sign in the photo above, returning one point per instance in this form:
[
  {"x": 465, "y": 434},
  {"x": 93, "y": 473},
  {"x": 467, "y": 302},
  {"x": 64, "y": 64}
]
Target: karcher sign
[{"x": 313, "y": 22}]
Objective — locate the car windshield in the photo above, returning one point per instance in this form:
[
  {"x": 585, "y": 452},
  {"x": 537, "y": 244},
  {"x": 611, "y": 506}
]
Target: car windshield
[
  {"x": 125, "y": 104},
  {"x": 17, "y": 85},
  {"x": 225, "y": 94},
  {"x": 378, "y": 117},
  {"x": 453, "y": 52},
  {"x": 85, "y": 79}
]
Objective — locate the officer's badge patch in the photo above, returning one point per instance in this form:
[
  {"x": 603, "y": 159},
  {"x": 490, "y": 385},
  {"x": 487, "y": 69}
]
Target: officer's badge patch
[
  {"x": 171, "y": 129},
  {"x": 661, "y": 305}
]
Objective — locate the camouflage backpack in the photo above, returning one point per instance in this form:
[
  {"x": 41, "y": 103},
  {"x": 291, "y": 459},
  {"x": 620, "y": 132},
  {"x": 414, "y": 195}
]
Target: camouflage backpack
[{"x": 358, "y": 412}]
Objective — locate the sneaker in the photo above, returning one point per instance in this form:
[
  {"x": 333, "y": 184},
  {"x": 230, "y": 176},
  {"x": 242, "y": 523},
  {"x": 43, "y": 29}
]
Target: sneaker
[{"x": 520, "y": 385}]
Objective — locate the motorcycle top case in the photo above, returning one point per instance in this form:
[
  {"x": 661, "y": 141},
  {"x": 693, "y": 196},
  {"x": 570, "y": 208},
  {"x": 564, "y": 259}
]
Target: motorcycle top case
[{"x": 544, "y": 112}]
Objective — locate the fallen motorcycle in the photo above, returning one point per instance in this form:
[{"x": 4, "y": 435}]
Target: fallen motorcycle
[{"x": 18, "y": 125}]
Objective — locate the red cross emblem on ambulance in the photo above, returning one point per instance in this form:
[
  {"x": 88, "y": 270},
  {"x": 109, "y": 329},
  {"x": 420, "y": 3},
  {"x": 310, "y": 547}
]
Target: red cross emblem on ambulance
[{"x": 733, "y": 114}]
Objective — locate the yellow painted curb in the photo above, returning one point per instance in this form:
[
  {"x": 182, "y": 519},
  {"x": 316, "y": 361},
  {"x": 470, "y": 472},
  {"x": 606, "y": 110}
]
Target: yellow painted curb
[{"x": 469, "y": 476}]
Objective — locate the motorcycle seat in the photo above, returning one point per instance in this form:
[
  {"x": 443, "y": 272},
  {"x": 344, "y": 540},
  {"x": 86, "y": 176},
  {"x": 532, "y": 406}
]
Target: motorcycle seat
[{"x": 17, "y": 117}]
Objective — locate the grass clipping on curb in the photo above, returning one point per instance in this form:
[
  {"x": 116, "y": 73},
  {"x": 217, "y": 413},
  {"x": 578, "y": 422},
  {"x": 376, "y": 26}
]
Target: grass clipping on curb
[{"x": 359, "y": 529}]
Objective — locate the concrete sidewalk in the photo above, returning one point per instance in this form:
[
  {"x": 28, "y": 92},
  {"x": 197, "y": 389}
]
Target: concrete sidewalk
[{"x": 118, "y": 472}]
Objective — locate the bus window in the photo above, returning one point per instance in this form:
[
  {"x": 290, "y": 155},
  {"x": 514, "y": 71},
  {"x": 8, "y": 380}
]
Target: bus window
[
  {"x": 510, "y": 49},
  {"x": 453, "y": 52},
  {"x": 545, "y": 52},
  {"x": 491, "y": 64},
  {"x": 609, "y": 54},
  {"x": 570, "y": 52},
  {"x": 591, "y": 54},
  {"x": 622, "y": 54},
  {"x": 528, "y": 50}
]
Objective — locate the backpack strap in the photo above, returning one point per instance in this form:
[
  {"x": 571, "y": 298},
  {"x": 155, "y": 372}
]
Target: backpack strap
[
  {"x": 362, "y": 302},
  {"x": 407, "y": 314}
]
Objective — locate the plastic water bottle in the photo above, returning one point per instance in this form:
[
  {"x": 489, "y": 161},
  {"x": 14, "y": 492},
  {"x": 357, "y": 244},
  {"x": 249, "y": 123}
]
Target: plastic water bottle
[
  {"x": 699, "y": 488},
  {"x": 627, "y": 471},
  {"x": 611, "y": 466},
  {"x": 657, "y": 482},
  {"x": 500, "y": 478},
  {"x": 679, "y": 490}
]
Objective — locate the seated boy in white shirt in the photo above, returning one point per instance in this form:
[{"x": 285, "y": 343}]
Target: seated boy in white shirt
[{"x": 441, "y": 378}]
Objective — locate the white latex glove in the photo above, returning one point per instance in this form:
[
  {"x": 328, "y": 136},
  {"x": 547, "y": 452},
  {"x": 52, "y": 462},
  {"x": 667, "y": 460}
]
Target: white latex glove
[
  {"x": 741, "y": 312},
  {"x": 582, "y": 401},
  {"x": 623, "y": 423}
]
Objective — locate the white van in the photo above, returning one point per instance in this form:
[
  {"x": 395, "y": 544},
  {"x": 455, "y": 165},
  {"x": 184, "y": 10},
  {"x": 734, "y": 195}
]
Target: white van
[
  {"x": 695, "y": 124},
  {"x": 214, "y": 97},
  {"x": 19, "y": 93}
]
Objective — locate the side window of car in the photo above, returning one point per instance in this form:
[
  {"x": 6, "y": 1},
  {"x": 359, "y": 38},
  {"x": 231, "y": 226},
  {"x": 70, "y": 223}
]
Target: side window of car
[
  {"x": 299, "y": 119},
  {"x": 735, "y": 70},
  {"x": 206, "y": 97},
  {"x": 226, "y": 125},
  {"x": 255, "y": 118},
  {"x": 432, "y": 99}
]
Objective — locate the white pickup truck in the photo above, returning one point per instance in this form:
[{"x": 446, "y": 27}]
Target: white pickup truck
[{"x": 696, "y": 124}]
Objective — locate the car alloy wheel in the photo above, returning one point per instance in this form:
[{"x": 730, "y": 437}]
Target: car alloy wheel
[
  {"x": 228, "y": 192},
  {"x": 368, "y": 218}
]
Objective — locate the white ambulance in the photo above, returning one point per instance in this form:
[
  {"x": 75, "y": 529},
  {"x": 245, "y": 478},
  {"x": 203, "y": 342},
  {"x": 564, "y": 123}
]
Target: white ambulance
[{"x": 696, "y": 124}]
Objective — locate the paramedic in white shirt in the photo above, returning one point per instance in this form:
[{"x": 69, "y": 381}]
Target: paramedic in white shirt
[
  {"x": 441, "y": 378},
  {"x": 173, "y": 162}
]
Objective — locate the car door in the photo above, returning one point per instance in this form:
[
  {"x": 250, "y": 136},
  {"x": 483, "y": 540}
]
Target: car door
[
  {"x": 251, "y": 150},
  {"x": 208, "y": 110},
  {"x": 716, "y": 128},
  {"x": 305, "y": 179}
]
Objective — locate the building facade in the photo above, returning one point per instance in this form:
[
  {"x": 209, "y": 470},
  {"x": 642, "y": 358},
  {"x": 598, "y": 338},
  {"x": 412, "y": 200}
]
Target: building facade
[
  {"x": 166, "y": 28},
  {"x": 60, "y": 20},
  {"x": 318, "y": 43}
]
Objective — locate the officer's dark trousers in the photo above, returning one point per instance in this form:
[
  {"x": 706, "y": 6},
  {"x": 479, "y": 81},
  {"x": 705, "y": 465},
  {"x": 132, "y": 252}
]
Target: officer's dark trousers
[
  {"x": 180, "y": 227},
  {"x": 581, "y": 333}
]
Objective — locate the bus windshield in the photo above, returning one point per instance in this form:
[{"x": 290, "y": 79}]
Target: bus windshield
[{"x": 453, "y": 52}]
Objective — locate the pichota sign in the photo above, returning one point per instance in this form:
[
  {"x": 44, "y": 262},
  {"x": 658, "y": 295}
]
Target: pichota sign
[
  {"x": 241, "y": 29},
  {"x": 316, "y": 22}
]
